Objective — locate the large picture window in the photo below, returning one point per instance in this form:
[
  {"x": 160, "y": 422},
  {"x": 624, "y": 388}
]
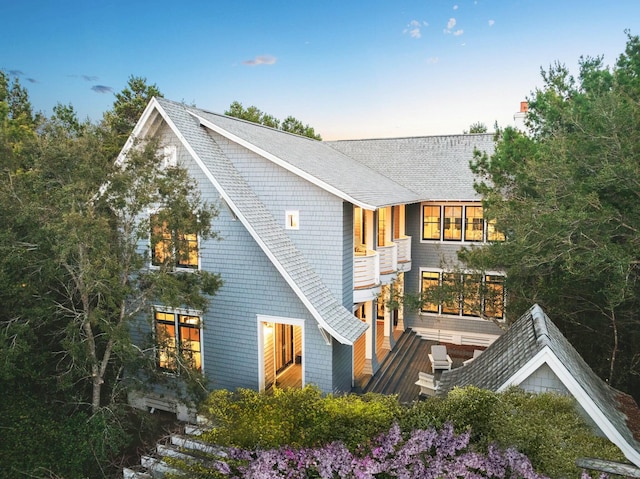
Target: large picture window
[
  {"x": 178, "y": 337},
  {"x": 463, "y": 294},
  {"x": 168, "y": 244},
  {"x": 458, "y": 222}
]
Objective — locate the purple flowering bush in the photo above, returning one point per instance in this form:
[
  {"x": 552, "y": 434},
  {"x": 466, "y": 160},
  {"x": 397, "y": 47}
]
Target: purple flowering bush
[{"x": 425, "y": 453}]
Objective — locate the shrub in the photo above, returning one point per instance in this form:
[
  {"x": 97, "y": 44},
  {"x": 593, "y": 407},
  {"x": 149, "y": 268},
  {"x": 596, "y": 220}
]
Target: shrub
[
  {"x": 423, "y": 453},
  {"x": 297, "y": 417},
  {"x": 545, "y": 427}
]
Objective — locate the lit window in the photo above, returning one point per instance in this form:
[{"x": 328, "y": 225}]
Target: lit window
[
  {"x": 452, "y": 223},
  {"x": 473, "y": 223},
  {"x": 494, "y": 296},
  {"x": 292, "y": 220},
  {"x": 492, "y": 232},
  {"x": 430, "y": 284},
  {"x": 178, "y": 337},
  {"x": 167, "y": 245},
  {"x": 463, "y": 295},
  {"x": 431, "y": 225}
]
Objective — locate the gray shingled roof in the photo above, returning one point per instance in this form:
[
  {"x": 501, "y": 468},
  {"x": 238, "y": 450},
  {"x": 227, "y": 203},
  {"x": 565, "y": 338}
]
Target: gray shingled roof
[
  {"x": 529, "y": 335},
  {"x": 339, "y": 322},
  {"x": 434, "y": 167},
  {"x": 317, "y": 159}
]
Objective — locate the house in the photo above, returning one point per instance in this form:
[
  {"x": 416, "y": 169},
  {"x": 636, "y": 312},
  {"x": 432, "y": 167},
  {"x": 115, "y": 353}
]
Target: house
[
  {"x": 315, "y": 237},
  {"x": 534, "y": 355}
]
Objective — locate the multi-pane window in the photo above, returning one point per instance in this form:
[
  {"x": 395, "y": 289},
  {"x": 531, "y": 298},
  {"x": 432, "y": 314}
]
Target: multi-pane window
[
  {"x": 178, "y": 337},
  {"x": 430, "y": 282},
  {"x": 167, "y": 244},
  {"x": 463, "y": 294},
  {"x": 473, "y": 223},
  {"x": 452, "y": 229},
  {"x": 431, "y": 222},
  {"x": 462, "y": 222}
]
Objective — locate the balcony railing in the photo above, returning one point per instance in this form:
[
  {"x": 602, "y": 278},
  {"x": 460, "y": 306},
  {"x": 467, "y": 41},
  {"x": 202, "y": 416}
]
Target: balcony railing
[
  {"x": 404, "y": 249},
  {"x": 366, "y": 269},
  {"x": 388, "y": 258}
]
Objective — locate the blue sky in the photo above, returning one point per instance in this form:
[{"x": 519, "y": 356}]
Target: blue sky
[{"x": 350, "y": 69}]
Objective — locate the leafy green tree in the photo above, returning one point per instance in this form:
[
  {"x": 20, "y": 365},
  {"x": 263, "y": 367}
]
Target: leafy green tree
[
  {"x": 477, "y": 127},
  {"x": 253, "y": 114},
  {"x": 566, "y": 195}
]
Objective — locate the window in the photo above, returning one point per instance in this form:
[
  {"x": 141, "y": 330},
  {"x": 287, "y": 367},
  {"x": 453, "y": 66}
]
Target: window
[
  {"x": 431, "y": 225},
  {"x": 462, "y": 222},
  {"x": 292, "y": 220},
  {"x": 430, "y": 282},
  {"x": 452, "y": 230},
  {"x": 473, "y": 223},
  {"x": 167, "y": 244},
  {"x": 492, "y": 233},
  {"x": 463, "y": 295},
  {"x": 178, "y": 337},
  {"x": 493, "y": 304}
]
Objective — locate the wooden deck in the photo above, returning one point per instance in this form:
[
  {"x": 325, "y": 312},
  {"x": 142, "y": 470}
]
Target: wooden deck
[
  {"x": 399, "y": 367},
  {"x": 399, "y": 372}
]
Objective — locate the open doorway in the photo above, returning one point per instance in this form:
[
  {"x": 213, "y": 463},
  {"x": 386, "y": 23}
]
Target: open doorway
[{"x": 282, "y": 356}]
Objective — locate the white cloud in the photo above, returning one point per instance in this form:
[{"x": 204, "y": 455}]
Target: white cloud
[
  {"x": 451, "y": 23},
  {"x": 491, "y": 22},
  {"x": 261, "y": 60},
  {"x": 455, "y": 7},
  {"x": 457, "y": 33},
  {"x": 414, "y": 28},
  {"x": 432, "y": 60}
]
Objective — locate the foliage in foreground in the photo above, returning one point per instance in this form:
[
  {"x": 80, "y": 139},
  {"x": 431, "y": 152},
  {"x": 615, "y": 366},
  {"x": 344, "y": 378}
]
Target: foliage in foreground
[
  {"x": 423, "y": 453},
  {"x": 566, "y": 196},
  {"x": 297, "y": 417},
  {"x": 545, "y": 427}
]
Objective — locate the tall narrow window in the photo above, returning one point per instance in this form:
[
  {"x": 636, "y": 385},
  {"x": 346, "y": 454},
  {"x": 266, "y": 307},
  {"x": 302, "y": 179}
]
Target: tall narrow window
[
  {"x": 452, "y": 223},
  {"x": 383, "y": 224},
  {"x": 451, "y": 302},
  {"x": 178, "y": 337},
  {"x": 430, "y": 285},
  {"x": 168, "y": 245},
  {"x": 471, "y": 295},
  {"x": 492, "y": 232},
  {"x": 473, "y": 223},
  {"x": 494, "y": 296},
  {"x": 431, "y": 222}
]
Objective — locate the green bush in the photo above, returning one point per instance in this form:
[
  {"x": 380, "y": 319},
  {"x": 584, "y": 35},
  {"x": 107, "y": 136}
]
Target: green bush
[
  {"x": 297, "y": 417},
  {"x": 41, "y": 440},
  {"x": 545, "y": 427}
]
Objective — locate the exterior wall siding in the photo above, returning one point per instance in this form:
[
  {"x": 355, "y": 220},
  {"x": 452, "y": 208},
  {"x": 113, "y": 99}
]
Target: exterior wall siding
[
  {"x": 435, "y": 255},
  {"x": 252, "y": 285},
  {"x": 320, "y": 234}
]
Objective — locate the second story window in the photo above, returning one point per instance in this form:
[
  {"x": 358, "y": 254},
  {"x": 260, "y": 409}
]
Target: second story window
[
  {"x": 172, "y": 245},
  {"x": 458, "y": 222}
]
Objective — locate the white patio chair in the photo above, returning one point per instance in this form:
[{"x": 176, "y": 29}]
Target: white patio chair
[
  {"x": 476, "y": 353},
  {"x": 439, "y": 358}
]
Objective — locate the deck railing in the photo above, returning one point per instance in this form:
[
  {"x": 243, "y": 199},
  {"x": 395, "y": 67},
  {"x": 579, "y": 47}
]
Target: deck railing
[
  {"x": 404, "y": 249},
  {"x": 366, "y": 269},
  {"x": 388, "y": 258}
]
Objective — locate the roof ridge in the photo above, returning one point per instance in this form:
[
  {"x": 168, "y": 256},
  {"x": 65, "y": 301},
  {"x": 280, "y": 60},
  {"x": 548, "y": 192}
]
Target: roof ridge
[{"x": 540, "y": 328}]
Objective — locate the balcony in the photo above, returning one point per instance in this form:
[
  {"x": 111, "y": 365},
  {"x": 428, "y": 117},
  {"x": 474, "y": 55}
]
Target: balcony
[
  {"x": 366, "y": 275},
  {"x": 388, "y": 262},
  {"x": 404, "y": 253}
]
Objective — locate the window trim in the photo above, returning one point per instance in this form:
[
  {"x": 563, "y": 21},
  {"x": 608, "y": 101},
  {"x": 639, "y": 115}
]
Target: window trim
[
  {"x": 177, "y": 324},
  {"x": 151, "y": 246},
  {"x": 463, "y": 225},
  {"x": 461, "y": 301}
]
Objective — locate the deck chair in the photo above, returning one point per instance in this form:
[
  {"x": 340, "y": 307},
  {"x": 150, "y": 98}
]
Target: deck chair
[
  {"x": 476, "y": 353},
  {"x": 439, "y": 358}
]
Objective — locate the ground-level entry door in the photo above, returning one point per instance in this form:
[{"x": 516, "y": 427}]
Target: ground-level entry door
[{"x": 282, "y": 354}]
